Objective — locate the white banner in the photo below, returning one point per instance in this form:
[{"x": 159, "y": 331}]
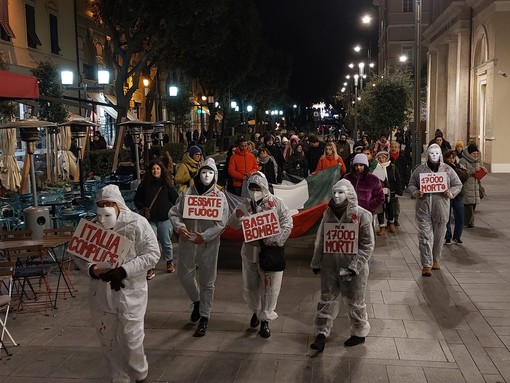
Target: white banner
[
  {"x": 260, "y": 225},
  {"x": 341, "y": 238},
  {"x": 98, "y": 245},
  {"x": 203, "y": 207}
]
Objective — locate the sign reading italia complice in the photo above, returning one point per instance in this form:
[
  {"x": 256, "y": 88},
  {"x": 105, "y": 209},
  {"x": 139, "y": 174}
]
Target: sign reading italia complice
[
  {"x": 433, "y": 182},
  {"x": 203, "y": 207},
  {"x": 260, "y": 225},
  {"x": 341, "y": 238},
  {"x": 95, "y": 244}
]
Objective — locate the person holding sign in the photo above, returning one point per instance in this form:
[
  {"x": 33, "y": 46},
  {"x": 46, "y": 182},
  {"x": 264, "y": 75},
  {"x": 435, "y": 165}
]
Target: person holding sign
[
  {"x": 343, "y": 246},
  {"x": 118, "y": 297},
  {"x": 261, "y": 287},
  {"x": 433, "y": 184},
  {"x": 200, "y": 216}
]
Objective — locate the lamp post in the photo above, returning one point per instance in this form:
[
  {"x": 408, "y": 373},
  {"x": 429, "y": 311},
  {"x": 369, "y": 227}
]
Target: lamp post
[
  {"x": 67, "y": 79},
  {"x": 417, "y": 85}
]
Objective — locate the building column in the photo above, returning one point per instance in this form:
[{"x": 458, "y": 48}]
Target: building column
[
  {"x": 431, "y": 91},
  {"x": 441, "y": 89},
  {"x": 462, "y": 91},
  {"x": 450, "y": 133}
]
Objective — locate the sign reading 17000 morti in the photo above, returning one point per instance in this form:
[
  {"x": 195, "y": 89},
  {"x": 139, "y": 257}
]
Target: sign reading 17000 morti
[
  {"x": 341, "y": 238},
  {"x": 433, "y": 182}
]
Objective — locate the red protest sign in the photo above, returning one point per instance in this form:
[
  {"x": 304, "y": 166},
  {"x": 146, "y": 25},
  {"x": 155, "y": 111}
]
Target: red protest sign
[
  {"x": 96, "y": 244},
  {"x": 341, "y": 238},
  {"x": 433, "y": 182},
  {"x": 260, "y": 225},
  {"x": 203, "y": 207}
]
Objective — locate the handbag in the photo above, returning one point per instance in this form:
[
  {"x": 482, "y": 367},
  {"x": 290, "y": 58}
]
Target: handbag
[
  {"x": 271, "y": 258},
  {"x": 146, "y": 211},
  {"x": 481, "y": 190}
]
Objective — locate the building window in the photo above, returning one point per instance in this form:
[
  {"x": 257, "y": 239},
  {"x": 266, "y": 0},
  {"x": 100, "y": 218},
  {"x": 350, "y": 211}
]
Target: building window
[
  {"x": 32, "y": 39},
  {"x": 6, "y": 33},
  {"x": 55, "y": 49},
  {"x": 407, "y": 5}
]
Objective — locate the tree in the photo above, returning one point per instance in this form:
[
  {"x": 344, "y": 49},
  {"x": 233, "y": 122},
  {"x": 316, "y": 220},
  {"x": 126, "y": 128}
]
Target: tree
[
  {"x": 7, "y": 108},
  {"x": 49, "y": 85},
  {"x": 386, "y": 103}
]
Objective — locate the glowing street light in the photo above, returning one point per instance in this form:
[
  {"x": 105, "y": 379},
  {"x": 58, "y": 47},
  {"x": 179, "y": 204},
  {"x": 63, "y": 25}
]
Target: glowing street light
[
  {"x": 357, "y": 48},
  {"x": 366, "y": 19},
  {"x": 402, "y": 58},
  {"x": 351, "y": 65}
]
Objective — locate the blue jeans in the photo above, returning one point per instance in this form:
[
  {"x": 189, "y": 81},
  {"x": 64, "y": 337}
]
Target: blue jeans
[
  {"x": 163, "y": 230},
  {"x": 457, "y": 205}
]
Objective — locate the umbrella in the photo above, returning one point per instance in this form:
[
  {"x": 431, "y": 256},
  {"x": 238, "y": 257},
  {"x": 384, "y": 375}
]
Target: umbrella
[
  {"x": 10, "y": 174},
  {"x": 67, "y": 159}
]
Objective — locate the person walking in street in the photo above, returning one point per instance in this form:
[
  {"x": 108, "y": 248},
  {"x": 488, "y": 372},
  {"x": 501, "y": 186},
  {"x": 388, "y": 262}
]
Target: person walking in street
[
  {"x": 344, "y": 147},
  {"x": 315, "y": 152},
  {"x": 261, "y": 288},
  {"x": 188, "y": 168},
  {"x": 471, "y": 191},
  {"x": 457, "y": 203},
  {"x": 343, "y": 273},
  {"x": 268, "y": 166},
  {"x": 156, "y": 195},
  {"x": 329, "y": 159},
  {"x": 392, "y": 187},
  {"x": 199, "y": 243},
  {"x": 118, "y": 297},
  {"x": 242, "y": 164},
  {"x": 297, "y": 165},
  {"x": 382, "y": 144},
  {"x": 403, "y": 164},
  {"x": 98, "y": 142},
  {"x": 433, "y": 208}
]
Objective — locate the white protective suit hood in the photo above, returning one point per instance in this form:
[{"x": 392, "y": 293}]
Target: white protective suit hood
[
  {"x": 112, "y": 193},
  {"x": 259, "y": 179},
  {"x": 209, "y": 163},
  {"x": 352, "y": 198}
]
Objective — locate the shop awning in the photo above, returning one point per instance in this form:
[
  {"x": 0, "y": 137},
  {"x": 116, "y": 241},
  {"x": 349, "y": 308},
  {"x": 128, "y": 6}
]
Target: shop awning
[
  {"x": 15, "y": 85},
  {"x": 104, "y": 98}
]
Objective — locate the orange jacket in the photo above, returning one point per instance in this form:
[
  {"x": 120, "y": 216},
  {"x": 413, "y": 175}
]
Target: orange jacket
[
  {"x": 240, "y": 164},
  {"x": 326, "y": 162}
]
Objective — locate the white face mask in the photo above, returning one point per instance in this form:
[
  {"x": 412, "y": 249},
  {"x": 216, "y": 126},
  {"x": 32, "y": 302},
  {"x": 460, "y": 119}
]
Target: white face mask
[
  {"x": 256, "y": 195},
  {"x": 206, "y": 176},
  {"x": 434, "y": 155},
  {"x": 107, "y": 217},
  {"x": 339, "y": 197}
]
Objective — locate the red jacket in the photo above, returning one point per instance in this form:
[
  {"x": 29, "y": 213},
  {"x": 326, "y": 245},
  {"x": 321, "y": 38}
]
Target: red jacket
[
  {"x": 240, "y": 164},
  {"x": 326, "y": 162}
]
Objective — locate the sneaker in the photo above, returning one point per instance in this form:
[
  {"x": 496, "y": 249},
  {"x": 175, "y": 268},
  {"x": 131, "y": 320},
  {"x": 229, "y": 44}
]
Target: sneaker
[
  {"x": 201, "y": 328},
  {"x": 448, "y": 242},
  {"x": 151, "y": 274},
  {"x": 195, "y": 314},
  {"x": 426, "y": 271},
  {"x": 170, "y": 267},
  {"x": 319, "y": 343},
  {"x": 436, "y": 266},
  {"x": 457, "y": 241}
]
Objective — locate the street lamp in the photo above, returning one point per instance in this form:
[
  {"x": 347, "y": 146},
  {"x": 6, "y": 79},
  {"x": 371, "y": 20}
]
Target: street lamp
[
  {"x": 366, "y": 19},
  {"x": 67, "y": 79}
]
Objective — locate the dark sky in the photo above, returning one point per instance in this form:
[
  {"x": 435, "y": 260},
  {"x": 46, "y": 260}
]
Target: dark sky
[{"x": 319, "y": 35}]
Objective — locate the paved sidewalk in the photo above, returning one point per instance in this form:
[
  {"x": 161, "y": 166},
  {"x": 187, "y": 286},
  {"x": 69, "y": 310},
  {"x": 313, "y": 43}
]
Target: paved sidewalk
[{"x": 452, "y": 327}]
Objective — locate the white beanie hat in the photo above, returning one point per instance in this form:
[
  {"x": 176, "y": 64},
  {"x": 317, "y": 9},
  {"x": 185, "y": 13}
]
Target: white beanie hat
[{"x": 360, "y": 158}]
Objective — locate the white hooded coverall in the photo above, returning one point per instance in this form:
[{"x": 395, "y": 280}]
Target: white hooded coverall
[
  {"x": 261, "y": 288},
  {"x": 433, "y": 210},
  {"x": 332, "y": 284},
  {"x": 204, "y": 255},
  {"x": 119, "y": 315}
]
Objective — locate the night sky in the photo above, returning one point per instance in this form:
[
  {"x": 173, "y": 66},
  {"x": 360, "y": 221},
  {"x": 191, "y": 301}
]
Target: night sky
[{"x": 319, "y": 35}]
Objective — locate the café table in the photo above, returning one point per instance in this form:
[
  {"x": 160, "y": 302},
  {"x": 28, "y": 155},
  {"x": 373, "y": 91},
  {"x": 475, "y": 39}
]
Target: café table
[{"x": 49, "y": 244}]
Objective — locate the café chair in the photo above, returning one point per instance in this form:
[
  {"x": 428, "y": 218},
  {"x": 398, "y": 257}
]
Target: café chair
[
  {"x": 6, "y": 270},
  {"x": 61, "y": 254},
  {"x": 29, "y": 268}
]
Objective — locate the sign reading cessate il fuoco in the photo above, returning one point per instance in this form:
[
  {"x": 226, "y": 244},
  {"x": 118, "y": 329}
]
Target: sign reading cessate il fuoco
[
  {"x": 260, "y": 225},
  {"x": 433, "y": 182},
  {"x": 98, "y": 245},
  {"x": 203, "y": 207},
  {"x": 341, "y": 238}
]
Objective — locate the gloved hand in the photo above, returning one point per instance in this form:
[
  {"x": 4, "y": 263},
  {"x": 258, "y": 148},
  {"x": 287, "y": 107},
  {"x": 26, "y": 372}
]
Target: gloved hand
[
  {"x": 316, "y": 271},
  {"x": 115, "y": 277},
  {"x": 346, "y": 272}
]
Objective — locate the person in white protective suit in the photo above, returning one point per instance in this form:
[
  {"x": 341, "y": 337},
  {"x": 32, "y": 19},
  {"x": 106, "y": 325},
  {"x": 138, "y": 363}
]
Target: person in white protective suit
[
  {"x": 118, "y": 297},
  {"x": 342, "y": 273},
  {"x": 199, "y": 243},
  {"x": 433, "y": 208},
  {"x": 261, "y": 288}
]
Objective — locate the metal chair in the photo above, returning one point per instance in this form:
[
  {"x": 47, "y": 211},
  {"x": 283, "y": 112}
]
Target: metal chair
[
  {"x": 6, "y": 270},
  {"x": 61, "y": 255}
]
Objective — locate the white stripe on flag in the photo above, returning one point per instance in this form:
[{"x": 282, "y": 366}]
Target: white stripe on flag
[{"x": 294, "y": 195}]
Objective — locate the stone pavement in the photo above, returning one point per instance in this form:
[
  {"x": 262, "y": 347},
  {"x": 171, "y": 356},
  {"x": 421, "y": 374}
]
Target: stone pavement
[{"x": 452, "y": 327}]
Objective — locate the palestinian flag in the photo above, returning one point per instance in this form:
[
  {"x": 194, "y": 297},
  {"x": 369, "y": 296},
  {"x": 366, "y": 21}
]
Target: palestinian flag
[{"x": 307, "y": 201}]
